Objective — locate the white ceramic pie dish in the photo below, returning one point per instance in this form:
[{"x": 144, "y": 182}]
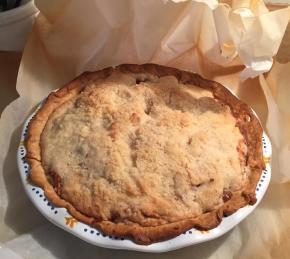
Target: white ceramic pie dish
[{"x": 61, "y": 218}]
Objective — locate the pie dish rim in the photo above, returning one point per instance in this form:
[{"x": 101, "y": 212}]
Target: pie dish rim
[{"x": 148, "y": 235}]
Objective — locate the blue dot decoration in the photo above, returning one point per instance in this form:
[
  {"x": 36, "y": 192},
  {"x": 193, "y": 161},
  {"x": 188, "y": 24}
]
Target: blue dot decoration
[{"x": 92, "y": 232}]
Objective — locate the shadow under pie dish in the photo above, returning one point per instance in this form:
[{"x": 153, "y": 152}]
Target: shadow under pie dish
[{"x": 145, "y": 152}]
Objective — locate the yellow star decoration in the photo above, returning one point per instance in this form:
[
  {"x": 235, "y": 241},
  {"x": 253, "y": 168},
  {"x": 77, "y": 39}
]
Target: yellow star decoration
[
  {"x": 266, "y": 159},
  {"x": 70, "y": 221}
]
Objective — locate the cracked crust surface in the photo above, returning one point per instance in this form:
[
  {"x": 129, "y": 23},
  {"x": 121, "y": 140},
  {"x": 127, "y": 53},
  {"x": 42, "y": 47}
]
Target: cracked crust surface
[{"x": 146, "y": 152}]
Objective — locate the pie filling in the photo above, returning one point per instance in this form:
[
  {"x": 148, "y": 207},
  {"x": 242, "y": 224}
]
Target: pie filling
[{"x": 149, "y": 151}]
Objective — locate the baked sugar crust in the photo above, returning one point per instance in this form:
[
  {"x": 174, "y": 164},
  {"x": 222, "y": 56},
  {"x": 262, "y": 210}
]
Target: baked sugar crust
[{"x": 158, "y": 228}]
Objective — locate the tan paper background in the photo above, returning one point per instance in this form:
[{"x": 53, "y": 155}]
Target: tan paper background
[{"x": 222, "y": 42}]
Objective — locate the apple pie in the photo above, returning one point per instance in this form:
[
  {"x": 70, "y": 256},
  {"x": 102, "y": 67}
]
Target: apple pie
[{"x": 146, "y": 152}]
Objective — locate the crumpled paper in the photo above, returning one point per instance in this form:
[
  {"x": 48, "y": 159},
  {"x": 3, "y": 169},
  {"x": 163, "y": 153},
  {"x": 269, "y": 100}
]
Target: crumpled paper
[
  {"x": 222, "y": 41},
  {"x": 277, "y": 91}
]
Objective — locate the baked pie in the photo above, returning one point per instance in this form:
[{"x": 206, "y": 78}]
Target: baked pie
[{"x": 146, "y": 152}]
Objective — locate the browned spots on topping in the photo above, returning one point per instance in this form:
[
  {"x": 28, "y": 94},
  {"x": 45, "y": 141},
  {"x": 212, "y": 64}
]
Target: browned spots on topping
[
  {"x": 134, "y": 118},
  {"x": 138, "y": 81},
  {"x": 241, "y": 148},
  {"x": 189, "y": 141},
  {"x": 170, "y": 98},
  {"x": 114, "y": 128},
  {"x": 149, "y": 104},
  {"x": 96, "y": 220},
  {"x": 184, "y": 122},
  {"x": 115, "y": 215},
  {"x": 219, "y": 215},
  {"x": 227, "y": 195},
  {"x": 249, "y": 197},
  {"x": 57, "y": 184}
]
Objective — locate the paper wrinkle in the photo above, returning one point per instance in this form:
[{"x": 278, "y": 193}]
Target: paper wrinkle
[
  {"x": 246, "y": 34},
  {"x": 277, "y": 92},
  {"x": 210, "y": 3},
  {"x": 227, "y": 47},
  {"x": 8, "y": 253},
  {"x": 215, "y": 40},
  {"x": 256, "y": 39},
  {"x": 256, "y": 7},
  {"x": 256, "y": 68}
]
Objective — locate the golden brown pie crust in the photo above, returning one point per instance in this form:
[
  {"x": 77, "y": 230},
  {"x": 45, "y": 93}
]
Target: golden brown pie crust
[{"x": 247, "y": 122}]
